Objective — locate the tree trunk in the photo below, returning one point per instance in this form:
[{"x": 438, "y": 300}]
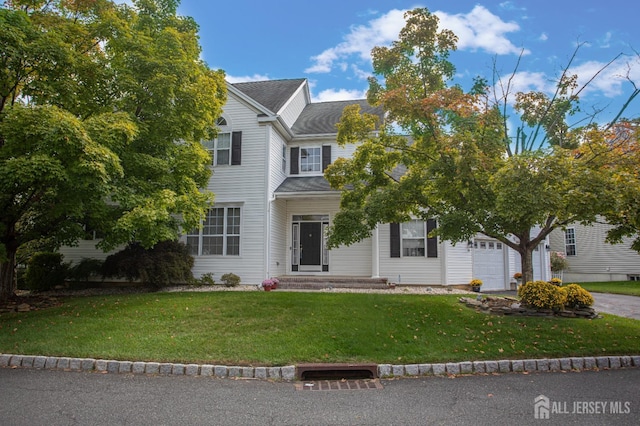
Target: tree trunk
[
  {"x": 8, "y": 284},
  {"x": 526, "y": 263}
]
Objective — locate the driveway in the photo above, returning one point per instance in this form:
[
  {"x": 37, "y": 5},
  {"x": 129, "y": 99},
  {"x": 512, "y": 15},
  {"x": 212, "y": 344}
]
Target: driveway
[{"x": 617, "y": 304}]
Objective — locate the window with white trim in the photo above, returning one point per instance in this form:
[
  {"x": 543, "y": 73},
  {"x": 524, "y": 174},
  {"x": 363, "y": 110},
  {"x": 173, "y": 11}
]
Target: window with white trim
[
  {"x": 570, "y": 241},
  {"x": 220, "y": 147},
  {"x": 220, "y": 233},
  {"x": 310, "y": 160},
  {"x": 414, "y": 238},
  {"x": 284, "y": 158}
]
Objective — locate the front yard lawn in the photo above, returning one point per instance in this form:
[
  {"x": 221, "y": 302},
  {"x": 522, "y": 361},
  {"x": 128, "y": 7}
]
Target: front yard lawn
[
  {"x": 631, "y": 288},
  {"x": 283, "y": 328}
]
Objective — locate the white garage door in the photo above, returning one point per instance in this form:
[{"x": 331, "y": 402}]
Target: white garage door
[{"x": 488, "y": 264}]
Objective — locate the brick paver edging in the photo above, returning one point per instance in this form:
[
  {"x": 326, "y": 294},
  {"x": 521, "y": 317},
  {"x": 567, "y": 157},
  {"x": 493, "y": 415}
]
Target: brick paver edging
[{"x": 288, "y": 373}]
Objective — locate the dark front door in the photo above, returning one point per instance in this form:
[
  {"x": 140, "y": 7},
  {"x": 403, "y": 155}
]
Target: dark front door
[{"x": 310, "y": 243}]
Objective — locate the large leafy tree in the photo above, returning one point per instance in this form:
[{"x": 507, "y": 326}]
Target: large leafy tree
[
  {"x": 102, "y": 107},
  {"x": 456, "y": 159}
]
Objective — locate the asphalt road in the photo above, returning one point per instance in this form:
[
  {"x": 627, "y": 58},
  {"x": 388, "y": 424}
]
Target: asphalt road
[{"x": 47, "y": 397}]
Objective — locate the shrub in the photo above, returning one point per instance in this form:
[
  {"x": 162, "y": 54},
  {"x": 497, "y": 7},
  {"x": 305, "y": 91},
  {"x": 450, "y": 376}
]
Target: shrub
[
  {"x": 205, "y": 279},
  {"x": 230, "y": 280},
  {"x": 45, "y": 271},
  {"x": 558, "y": 261},
  {"x": 166, "y": 263},
  {"x": 85, "y": 269},
  {"x": 578, "y": 297},
  {"x": 542, "y": 295},
  {"x": 556, "y": 281}
]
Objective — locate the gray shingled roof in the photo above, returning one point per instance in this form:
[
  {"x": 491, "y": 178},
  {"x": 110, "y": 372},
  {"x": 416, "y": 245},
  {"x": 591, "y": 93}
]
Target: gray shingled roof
[
  {"x": 270, "y": 93},
  {"x": 304, "y": 184},
  {"x": 322, "y": 117}
]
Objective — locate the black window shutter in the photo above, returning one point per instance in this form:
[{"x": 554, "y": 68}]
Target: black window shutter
[
  {"x": 326, "y": 156},
  {"x": 236, "y": 148},
  {"x": 394, "y": 228},
  {"x": 432, "y": 242},
  {"x": 295, "y": 157}
]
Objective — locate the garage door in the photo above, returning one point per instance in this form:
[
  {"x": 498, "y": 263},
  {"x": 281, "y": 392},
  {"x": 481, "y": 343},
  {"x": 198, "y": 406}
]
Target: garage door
[{"x": 488, "y": 264}]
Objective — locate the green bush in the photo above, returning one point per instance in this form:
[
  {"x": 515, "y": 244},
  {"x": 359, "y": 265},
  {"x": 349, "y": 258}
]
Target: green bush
[
  {"x": 578, "y": 297},
  {"x": 230, "y": 280},
  {"x": 45, "y": 271},
  {"x": 542, "y": 295},
  {"x": 85, "y": 269},
  {"x": 205, "y": 279},
  {"x": 166, "y": 263}
]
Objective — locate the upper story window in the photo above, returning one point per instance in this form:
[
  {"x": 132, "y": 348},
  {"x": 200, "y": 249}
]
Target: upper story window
[
  {"x": 570, "y": 241},
  {"x": 226, "y": 148},
  {"x": 310, "y": 160}
]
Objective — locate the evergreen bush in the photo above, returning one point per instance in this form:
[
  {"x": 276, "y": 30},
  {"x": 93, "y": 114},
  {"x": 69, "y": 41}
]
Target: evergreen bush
[
  {"x": 166, "y": 263},
  {"x": 45, "y": 271}
]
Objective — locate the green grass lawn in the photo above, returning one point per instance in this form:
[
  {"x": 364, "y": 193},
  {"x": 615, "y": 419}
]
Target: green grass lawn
[
  {"x": 631, "y": 288},
  {"x": 283, "y": 328}
]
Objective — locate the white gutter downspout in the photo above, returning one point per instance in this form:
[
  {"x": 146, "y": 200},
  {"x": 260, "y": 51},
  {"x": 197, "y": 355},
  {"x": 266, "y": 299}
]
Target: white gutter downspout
[
  {"x": 375, "y": 249},
  {"x": 268, "y": 200}
]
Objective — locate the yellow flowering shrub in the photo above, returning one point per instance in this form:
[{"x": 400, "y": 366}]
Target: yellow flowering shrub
[
  {"x": 542, "y": 295},
  {"x": 577, "y": 297},
  {"x": 476, "y": 282},
  {"x": 556, "y": 281}
]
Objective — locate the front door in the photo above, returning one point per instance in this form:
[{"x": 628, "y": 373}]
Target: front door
[{"x": 310, "y": 246}]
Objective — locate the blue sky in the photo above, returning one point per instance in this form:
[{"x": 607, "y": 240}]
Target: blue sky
[{"x": 329, "y": 41}]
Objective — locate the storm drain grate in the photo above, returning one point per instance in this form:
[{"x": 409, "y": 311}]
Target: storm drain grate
[{"x": 335, "y": 385}]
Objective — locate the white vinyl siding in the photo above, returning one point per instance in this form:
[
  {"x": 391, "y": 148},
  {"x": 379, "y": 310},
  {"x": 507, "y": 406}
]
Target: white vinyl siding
[
  {"x": 407, "y": 270},
  {"x": 595, "y": 259},
  {"x": 242, "y": 186}
]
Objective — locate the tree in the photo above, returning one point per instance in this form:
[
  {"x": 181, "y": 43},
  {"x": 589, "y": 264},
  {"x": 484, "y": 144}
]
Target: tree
[
  {"x": 102, "y": 110},
  {"x": 622, "y": 144},
  {"x": 456, "y": 161}
]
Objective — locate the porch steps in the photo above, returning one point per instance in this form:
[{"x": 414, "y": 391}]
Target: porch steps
[{"x": 320, "y": 283}]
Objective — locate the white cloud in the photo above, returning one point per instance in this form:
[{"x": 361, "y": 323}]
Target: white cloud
[
  {"x": 481, "y": 29},
  {"x": 339, "y": 95},
  {"x": 243, "y": 79},
  {"x": 359, "y": 42},
  {"x": 478, "y": 29}
]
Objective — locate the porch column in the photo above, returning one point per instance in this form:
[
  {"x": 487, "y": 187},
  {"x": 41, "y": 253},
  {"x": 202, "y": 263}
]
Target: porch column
[{"x": 375, "y": 253}]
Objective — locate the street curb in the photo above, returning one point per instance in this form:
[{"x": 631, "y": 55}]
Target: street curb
[{"x": 288, "y": 373}]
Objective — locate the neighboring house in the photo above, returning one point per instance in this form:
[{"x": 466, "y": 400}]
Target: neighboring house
[
  {"x": 590, "y": 258},
  {"x": 273, "y": 205}
]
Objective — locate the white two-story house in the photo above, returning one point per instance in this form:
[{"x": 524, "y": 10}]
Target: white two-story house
[{"x": 273, "y": 205}]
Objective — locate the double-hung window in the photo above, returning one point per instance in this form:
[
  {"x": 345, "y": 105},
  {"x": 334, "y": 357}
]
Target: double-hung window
[
  {"x": 220, "y": 233},
  {"x": 219, "y": 149},
  {"x": 413, "y": 239},
  {"x": 226, "y": 148},
  {"x": 570, "y": 241},
  {"x": 310, "y": 160}
]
